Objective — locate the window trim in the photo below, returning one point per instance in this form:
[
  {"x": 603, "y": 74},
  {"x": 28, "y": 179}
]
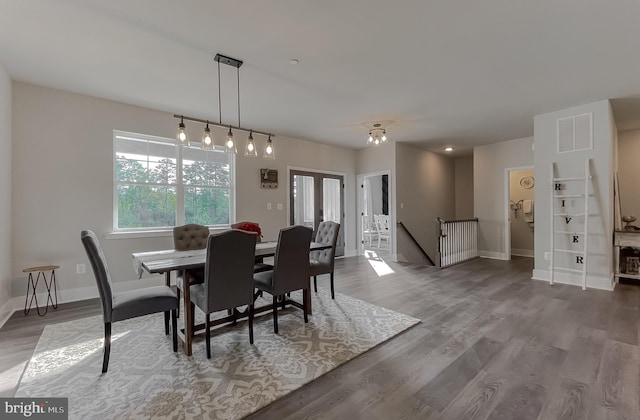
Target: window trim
[{"x": 122, "y": 233}]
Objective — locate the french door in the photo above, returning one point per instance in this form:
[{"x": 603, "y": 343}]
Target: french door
[{"x": 315, "y": 197}]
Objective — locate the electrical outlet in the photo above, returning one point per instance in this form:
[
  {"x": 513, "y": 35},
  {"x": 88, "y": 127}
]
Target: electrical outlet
[
  {"x": 280, "y": 206},
  {"x": 81, "y": 268},
  {"x": 269, "y": 206},
  {"x": 547, "y": 256}
]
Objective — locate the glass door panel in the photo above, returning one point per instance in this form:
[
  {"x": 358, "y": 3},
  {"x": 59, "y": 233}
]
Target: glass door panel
[
  {"x": 316, "y": 197},
  {"x": 303, "y": 203}
]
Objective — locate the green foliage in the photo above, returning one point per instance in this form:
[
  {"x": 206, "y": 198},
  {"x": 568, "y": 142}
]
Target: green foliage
[{"x": 145, "y": 200}]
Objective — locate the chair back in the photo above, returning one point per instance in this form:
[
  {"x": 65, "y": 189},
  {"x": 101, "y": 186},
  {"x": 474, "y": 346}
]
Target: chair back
[
  {"x": 291, "y": 263},
  {"x": 100, "y": 271},
  {"x": 229, "y": 269},
  {"x": 327, "y": 234},
  {"x": 189, "y": 237}
]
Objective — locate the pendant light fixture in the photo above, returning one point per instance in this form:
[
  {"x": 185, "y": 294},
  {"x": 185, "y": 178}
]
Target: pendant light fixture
[
  {"x": 250, "y": 150},
  {"x": 377, "y": 135},
  {"x": 269, "y": 151},
  {"x": 207, "y": 138},
  {"x": 182, "y": 136},
  {"x": 230, "y": 144}
]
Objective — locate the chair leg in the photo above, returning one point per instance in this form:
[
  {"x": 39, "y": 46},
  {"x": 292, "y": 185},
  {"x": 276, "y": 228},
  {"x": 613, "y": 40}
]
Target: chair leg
[
  {"x": 284, "y": 302},
  {"x": 178, "y": 295},
  {"x": 251, "y": 324},
  {"x": 333, "y": 294},
  {"x": 107, "y": 346},
  {"x": 174, "y": 328},
  {"x": 275, "y": 314},
  {"x": 305, "y": 294},
  {"x": 315, "y": 283},
  {"x": 166, "y": 323},
  {"x": 207, "y": 335}
]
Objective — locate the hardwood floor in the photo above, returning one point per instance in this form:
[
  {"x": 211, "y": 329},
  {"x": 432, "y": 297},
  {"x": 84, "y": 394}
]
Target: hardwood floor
[{"x": 493, "y": 344}]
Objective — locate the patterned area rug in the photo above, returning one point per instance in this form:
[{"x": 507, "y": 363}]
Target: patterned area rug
[{"x": 147, "y": 379}]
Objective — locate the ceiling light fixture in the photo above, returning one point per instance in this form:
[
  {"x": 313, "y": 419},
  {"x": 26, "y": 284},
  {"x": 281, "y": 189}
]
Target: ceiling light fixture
[
  {"x": 250, "y": 150},
  {"x": 182, "y": 136},
  {"x": 448, "y": 149},
  {"x": 377, "y": 135}
]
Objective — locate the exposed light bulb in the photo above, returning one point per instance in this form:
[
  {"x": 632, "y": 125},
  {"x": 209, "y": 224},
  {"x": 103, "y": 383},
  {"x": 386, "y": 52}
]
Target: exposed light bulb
[
  {"x": 182, "y": 136},
  {"x": 269, "y": 152},
  {"x": 207, "y": 138},
  {"x": 251, "y": 147},
  {"x": 384, "y": 136},
  {"x": 231, "y": 144}
]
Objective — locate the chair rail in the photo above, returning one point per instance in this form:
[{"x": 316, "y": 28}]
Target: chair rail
[{"x": 457, "y": 241}]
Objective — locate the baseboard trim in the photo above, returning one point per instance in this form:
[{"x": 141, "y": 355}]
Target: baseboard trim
[
  {"x": 593, "y": 282},
  {"x": 493, "y": 255},
  {"x": 522, "y": 252}
]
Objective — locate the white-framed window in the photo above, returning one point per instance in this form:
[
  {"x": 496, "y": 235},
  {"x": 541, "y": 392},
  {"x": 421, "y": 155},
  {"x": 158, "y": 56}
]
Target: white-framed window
[
  {"x": 575, "y": 133},
  {"x": 159, "y": 185}
]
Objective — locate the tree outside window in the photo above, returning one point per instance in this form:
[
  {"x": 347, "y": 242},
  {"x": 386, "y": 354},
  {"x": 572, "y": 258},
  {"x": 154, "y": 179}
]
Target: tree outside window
[{"x": 159, "y": 184}]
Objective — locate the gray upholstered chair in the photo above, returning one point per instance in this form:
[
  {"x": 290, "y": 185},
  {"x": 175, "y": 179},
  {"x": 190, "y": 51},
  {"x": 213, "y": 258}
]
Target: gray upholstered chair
[
  {"x": 125, "y": 305},
  {"x": 259, "y": 265},
  {"x": 321, "y": 262},
  {"x": 228, "y": 277},
  {"x": 187, "y": 238},
  {"x": 290, "y": 271}
]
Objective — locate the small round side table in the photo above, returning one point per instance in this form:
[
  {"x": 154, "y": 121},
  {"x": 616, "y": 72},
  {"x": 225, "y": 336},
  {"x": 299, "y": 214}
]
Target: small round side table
[{"x": 32, "y": 285}]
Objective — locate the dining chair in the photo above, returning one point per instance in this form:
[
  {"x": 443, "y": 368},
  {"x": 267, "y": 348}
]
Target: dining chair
[
  {"x": 189, "y": 237},
  {"x": 125, "y": 305},
  {"x": 369, "y": 230},
  {"x": 321, "y": 262},
  {"x": 259, "y": 264},
  {"x": 290, "y": 270},
  {"x": 382, "y": 225},
  {"x": 228, "y": 278}
]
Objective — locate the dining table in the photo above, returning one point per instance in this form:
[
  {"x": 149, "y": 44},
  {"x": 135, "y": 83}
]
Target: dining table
[{"x": 170, "y": 260}]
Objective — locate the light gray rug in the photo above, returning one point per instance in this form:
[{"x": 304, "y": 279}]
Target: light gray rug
[{"x": 147, "y": 379}]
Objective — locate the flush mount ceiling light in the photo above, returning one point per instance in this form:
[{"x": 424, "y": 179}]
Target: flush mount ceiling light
[
  {"x": 377, "y": 135},
  {"x": 448, "y": 149},
  {"x": 182, "y": 135}
]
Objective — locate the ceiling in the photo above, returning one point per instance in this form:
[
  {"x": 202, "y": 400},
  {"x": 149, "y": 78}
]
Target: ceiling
[{"x": 443, "y": 72}]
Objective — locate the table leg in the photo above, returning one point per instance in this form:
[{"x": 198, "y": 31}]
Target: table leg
[
  {"x": 307, "y": 298},
  {"x": 187, "y": 316},
  {"x": 167, "y": 278}
]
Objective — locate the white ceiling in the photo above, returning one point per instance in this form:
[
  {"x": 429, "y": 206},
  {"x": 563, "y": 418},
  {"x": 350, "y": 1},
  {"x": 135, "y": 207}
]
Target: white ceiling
[{"x": 445, "y": 72}]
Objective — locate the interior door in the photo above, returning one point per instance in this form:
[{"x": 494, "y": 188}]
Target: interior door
[{"x": 315, "y": 197}]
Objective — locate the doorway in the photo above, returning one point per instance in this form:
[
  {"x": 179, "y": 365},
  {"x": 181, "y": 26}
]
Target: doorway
[
  {"x": 315, "y": 197},
  {"x": 375, "y": 226},
  {"x": 520, "y": 208}
]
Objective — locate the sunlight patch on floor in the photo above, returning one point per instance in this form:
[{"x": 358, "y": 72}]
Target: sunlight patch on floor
[
  {"x": 379, "y": 266},
  {"x": 69, "y": 356}
]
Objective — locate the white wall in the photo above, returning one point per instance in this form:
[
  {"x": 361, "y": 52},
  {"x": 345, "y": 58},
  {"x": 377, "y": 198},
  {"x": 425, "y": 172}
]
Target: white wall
[
  {"x": 425, "y": 190},
  {"x": 63, "y": 183},
  {"x": 489, "y": 201},
  {"x": 464, "y": 187},
  {"x": 521, "y": 231},
  {"x": 629, "y": 173},
  {"x": 5, "y": 194},
  {"x": 600, "y": 256},
  {"x": 375, "y": 183}
]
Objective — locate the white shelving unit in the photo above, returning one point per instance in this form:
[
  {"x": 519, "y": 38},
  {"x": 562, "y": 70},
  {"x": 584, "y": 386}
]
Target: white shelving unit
[{"x": 583, "y": 232}]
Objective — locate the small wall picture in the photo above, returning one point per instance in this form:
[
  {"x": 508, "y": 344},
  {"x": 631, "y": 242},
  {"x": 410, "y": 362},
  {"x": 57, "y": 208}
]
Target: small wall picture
[
  {"x": 633, "y": 265},
  {"x": 268, "y": 178}
]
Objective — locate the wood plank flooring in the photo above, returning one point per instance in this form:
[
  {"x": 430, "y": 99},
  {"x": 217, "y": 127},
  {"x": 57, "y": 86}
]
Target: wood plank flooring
[{"x": 493, "y": 344}]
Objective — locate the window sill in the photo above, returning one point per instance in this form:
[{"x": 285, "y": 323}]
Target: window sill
[{"x": 152, "y": 233}]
